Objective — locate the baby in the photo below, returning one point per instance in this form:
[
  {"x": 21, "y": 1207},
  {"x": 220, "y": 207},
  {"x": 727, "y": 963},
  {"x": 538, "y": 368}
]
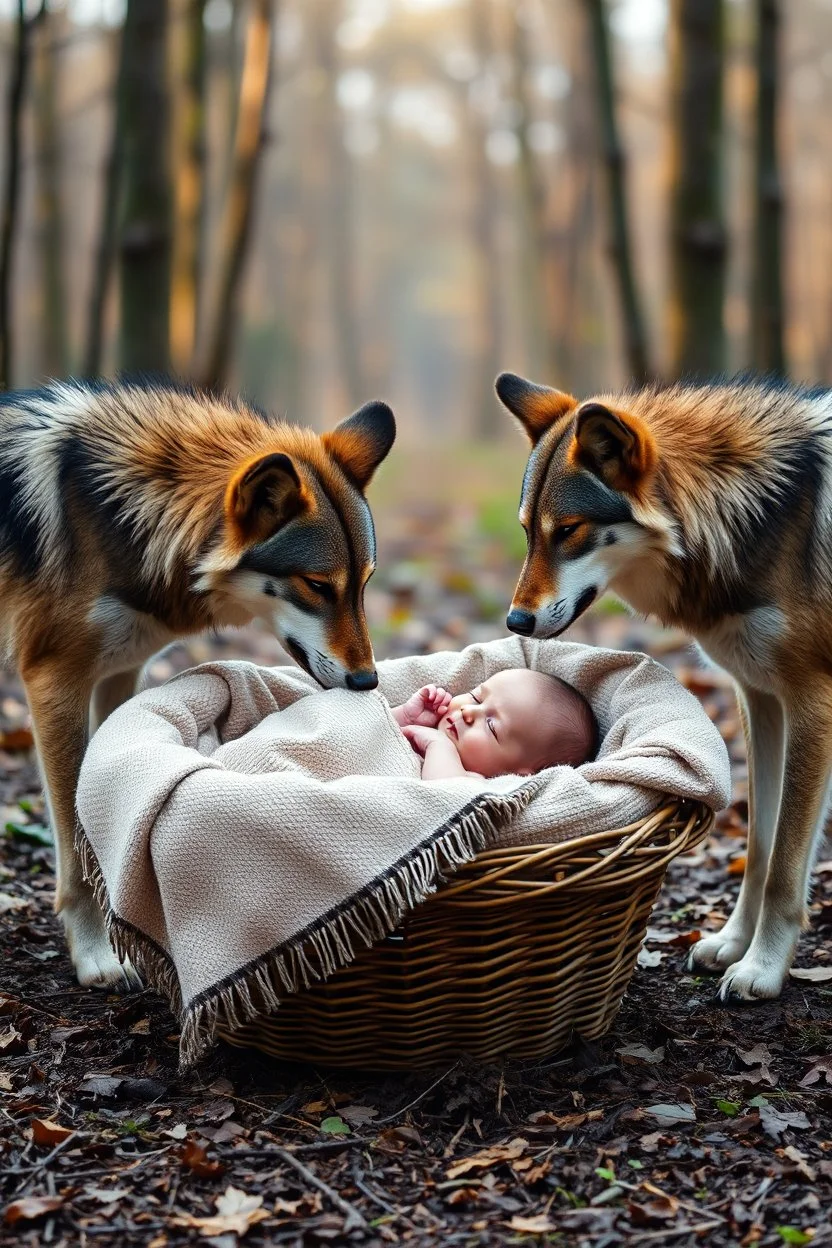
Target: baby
[{"x": 515, "y": 723}]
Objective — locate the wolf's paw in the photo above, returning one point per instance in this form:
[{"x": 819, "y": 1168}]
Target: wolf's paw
[
  {"x": 717, "y": 952},
  {"x": 752, "y": 980},
  {"x": 95, "y": 961}
]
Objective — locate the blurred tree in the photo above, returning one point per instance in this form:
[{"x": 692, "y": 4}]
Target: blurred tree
[
  {"x": 767, "y": 286},
  {"x": 540, "y": 294},
  {"x": 235, "y": 228},
  {"x": 189, "y": 178},
  {"x": 107, "y": 235},
  {"x": 635, "y": 340},
  {"x": 8, "y": 220},
  {"x": 697, "y": 230},
  {"x": 488, "y": 422},
  {"x": 145, "y": 234},
  {"x": 49, "y": 205}
]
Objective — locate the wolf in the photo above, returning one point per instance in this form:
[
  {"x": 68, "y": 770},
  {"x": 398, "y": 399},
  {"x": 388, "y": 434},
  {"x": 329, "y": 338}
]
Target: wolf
[
  {"x": 134, "y": 514},
  {"x": 709, "y": 507}
]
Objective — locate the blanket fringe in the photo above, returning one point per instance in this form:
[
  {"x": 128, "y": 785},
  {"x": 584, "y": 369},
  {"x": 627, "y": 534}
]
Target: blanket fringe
[{"x": 258, "y": 988}]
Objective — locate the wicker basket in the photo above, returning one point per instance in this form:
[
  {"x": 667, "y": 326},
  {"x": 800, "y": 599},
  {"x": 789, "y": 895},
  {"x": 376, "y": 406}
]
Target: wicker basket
[{"x": 521, "y": 950}]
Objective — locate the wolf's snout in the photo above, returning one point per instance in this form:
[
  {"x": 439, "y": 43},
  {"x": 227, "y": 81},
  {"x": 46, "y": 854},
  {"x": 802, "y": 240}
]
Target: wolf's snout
[
  {"x": 521, "y": 622},
  {"x": 361, "y": 681}
]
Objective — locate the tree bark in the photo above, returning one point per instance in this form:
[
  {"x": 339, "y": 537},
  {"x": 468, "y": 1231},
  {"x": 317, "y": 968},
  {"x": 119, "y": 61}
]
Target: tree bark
[
  {"x": 235, "y": 229},
  {"x": 189, "y": 188},
  {"x": 105, "y": 252},
  {"x": 145, "y": 236},
  {"x": 49, "y": 205},
  {"x": 488, "y": 422},
  {"x": 635, "y": 337},
  {"x": 767, "y": 352},
  {"x": 698, "y": 236},
  {"x": 8, "y": 222}
]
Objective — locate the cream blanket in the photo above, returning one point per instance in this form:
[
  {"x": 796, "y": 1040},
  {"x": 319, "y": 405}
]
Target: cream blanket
[{"x": 246, "y": 831}]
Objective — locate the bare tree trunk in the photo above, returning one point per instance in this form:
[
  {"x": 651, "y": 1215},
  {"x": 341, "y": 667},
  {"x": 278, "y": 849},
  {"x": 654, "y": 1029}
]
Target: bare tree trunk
[
  {"x": 635, "y": 338},
  {"x": 105, "y": 252},
  {"x": 189, "y": 183},
  {"x": 14, "y": 118},
  {"x": 145, "y": 237},
  {"x": 767, "y": 293},
  {"x": 49, "y": 210},
  {"x": 540, "y": 290},
  {"x": 698, "y": 237},
  {"x": 237, "y": 218},
  {"x": 487, "y": 423}
]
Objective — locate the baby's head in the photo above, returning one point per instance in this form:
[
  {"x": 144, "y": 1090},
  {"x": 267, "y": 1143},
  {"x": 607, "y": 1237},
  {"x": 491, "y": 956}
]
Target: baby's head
[{"x": 518, "y": 722}]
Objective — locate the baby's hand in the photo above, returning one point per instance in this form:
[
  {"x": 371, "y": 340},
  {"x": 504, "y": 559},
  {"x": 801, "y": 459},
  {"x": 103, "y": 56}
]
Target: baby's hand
[
  {"x": 420, "y": 736},
  {"x": 426, "y": 707}
]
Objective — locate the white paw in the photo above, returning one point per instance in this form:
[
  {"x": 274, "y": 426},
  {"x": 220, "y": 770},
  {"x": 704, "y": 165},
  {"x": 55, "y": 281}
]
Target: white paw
[
  {"x": 718, "y": 951},
  {"x": 752, "y": 979},
  {"x": 95, "y": 961}
]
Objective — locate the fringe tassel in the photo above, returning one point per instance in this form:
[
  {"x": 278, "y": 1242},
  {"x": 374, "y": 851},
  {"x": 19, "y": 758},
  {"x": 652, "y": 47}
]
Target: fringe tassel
[{"x": 315, "y": 955}]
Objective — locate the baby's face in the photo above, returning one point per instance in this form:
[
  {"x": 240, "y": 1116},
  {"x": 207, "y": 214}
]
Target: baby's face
[{"x": 492, "y": 727}]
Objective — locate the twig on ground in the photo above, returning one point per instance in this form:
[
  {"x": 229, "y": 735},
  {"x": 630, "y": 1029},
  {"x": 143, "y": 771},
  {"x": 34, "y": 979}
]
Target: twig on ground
[{"x": 352, "y": 1218}]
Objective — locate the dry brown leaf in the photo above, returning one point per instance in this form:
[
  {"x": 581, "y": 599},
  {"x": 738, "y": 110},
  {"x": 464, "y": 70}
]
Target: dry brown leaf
[
  {"x": 236, "y": 1214},
  {"x": 815, "y": 974},
  {"x": 194, "y": 1157},
  {"x": 16, "y": 739},
  {"x": 31, "y": 1207},
  {"x": 737, "y": 865},
  {"x": 48, "y": 1133},
  {"x": 538, "y": 1224},
  {"x": 5, "y": 1081},
  {"x": 564, "y": 1122},
  {"x": 488, "y": 1157}
]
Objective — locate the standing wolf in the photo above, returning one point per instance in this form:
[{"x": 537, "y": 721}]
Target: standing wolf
[
  {"x": 134, "y": 515},
  {"x": 711, "y": 508}
]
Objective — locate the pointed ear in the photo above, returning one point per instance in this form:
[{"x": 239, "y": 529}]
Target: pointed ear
[
  {"x": 360, "y": 442},
  {"x": 263, "y": 496},
  {"x": 536, "y": 407},
  {"x": 615, "y": 446}
]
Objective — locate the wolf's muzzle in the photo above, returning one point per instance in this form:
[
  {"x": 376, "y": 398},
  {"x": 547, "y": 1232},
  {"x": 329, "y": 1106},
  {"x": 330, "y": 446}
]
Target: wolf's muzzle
[
  {"x": 521, "y": 622},
  {"x": 362, "y": 681}
]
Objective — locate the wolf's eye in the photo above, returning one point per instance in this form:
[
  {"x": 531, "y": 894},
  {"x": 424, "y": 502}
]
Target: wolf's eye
[
  {"x": 565, "y": 530},
  {"x": 321, "y": 588}
]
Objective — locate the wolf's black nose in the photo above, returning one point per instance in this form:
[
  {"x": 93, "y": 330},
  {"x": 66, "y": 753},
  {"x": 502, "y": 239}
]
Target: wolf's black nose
[
  {"x": 520, "y": 622},
  {"x": 362, "y": 680}
]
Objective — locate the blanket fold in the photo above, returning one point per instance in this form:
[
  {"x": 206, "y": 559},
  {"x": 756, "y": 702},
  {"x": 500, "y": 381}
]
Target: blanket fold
[{"x": 248, "y": 832}]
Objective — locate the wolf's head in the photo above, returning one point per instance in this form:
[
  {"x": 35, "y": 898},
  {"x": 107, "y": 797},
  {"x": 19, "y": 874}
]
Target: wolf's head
[
  {"x": 589, "y": 507},
  {"x": 297, "y": 544}
]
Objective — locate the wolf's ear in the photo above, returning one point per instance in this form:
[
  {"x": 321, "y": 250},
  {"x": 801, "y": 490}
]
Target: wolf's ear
[
  {"x": 263, "y": 496},
  {"x": 360, "y": 442},
  {"x": 617, "y": 447},
  {"x": 536, "y": 407}
]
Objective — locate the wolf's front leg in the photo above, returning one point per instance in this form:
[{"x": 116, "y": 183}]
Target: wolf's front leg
[
  {"x": 59, "y": 711},
  {"x": 763, "y": 723},
  {"x": 761, "y": 972}
]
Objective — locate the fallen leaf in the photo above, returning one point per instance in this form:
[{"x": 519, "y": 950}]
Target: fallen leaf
[
  {"x": 815, "y": 974},
  {"x": 641, "y": 1053},
  {"x": 649, "y": 957},
  {"x": 359, "y": 1115},
  {"x": 48, "y": 1133},
  {"x": 141, "y": 1028},
  {"x": 5, "y": 1081},
  {"x": 737, "y": 865},
  {"x": 194, "y": 1157},
  {"x": 488, "y": 1157},
  {"x": 11, "y": 1040},
  {"x": 775, "y": 1121},
  {"x": 758, "y": 1056},
  {"x": 564, "y": 1122},
  {"x": 177, "y": 1132},
  {"x": 31, "y": 1207},
  {"x": 672, "y": 1113},
  {"x": 334, "y": 1126},
  {"x": 16, "y": 739},
  {"x": 540, "y": 1224},
  {"x": 106, "y": 1195},
  {"x": 800, "y": 1161},
  {"x": 8, "y": 903},
  {"x": 821, "y": 1068},
  {"x": 236, "y": 1214}
]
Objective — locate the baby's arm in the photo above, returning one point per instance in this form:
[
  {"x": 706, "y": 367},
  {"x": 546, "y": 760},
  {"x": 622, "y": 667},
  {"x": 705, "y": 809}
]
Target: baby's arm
[
  {"x": 425, "y": 707},
  {"x": 441, "y": 760}
]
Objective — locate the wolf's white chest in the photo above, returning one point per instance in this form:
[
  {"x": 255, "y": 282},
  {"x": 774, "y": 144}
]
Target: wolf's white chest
[
  {"x": 127, "y": 637},
  {"x": 744, "y": 645}
]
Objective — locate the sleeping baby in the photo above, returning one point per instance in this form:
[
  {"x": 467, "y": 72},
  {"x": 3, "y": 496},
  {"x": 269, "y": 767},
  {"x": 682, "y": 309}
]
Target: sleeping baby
[{"x": 515, "y": 723}]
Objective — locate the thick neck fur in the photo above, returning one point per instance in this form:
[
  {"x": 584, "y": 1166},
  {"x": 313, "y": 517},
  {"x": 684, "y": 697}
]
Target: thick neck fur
[{"x": 741, "y": 472}]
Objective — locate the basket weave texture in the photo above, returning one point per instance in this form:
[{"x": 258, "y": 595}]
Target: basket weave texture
[{"x": 521, "y": 950}]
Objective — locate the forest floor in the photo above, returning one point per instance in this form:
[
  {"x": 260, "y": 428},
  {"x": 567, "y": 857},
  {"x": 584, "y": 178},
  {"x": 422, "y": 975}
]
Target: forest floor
[{"x": 688, "y": 1123}]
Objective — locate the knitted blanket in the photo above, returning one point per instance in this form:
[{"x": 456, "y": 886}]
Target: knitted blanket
[{"x": 247, "y": 832}]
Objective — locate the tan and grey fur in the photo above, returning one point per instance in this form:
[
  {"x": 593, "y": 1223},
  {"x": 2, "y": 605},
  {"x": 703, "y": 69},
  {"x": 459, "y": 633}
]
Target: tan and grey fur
[
  {"x": 133, "y": 515},
  {"x": 709, "y": 507}
]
